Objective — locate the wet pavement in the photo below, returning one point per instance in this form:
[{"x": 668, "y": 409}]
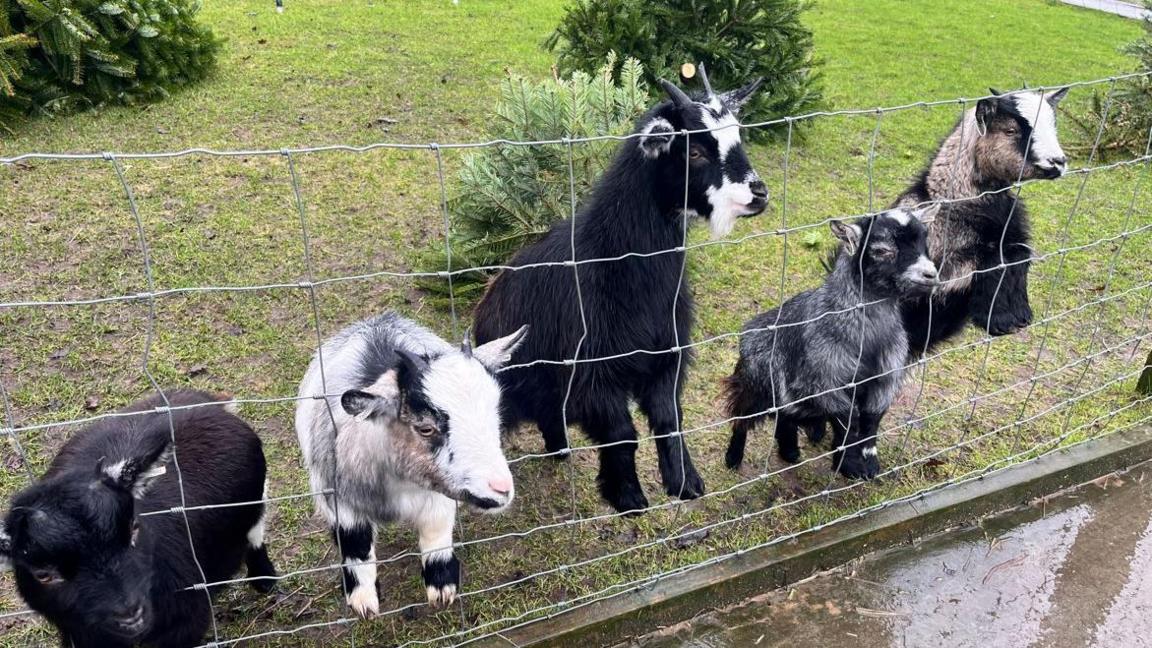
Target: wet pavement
[{"x": 1072, "y": 571}]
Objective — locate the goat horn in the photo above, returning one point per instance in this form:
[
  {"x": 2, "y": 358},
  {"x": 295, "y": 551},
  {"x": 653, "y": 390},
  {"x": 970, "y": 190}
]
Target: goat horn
[
  {"x": 466, "y": 345},
  {"x": 704, "y": 80},
  {"x": 678, "y": 97}
]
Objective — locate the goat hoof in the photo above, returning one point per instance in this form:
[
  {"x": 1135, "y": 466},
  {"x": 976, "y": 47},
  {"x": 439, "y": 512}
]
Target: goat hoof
[
  {"x": 691, "y": 487},
  {"x": 442, "y": 596},
  {"x": 791, "y": 456},
  {"x": 860, "y": 468},
  {"x": 1009, "y": 323},
  {"x": 363, "y": 601},
  {"x": 263, "y": 585},
  {"x": 733, "y": 460},
  {"x": 627, "y": 498}
]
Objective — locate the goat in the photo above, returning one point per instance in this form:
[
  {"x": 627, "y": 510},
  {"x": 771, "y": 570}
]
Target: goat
[
  {"x": 87, "y": 557},
  {"x": 835, "y": 354},
  {"x": 412, "y": 428},
  {"x": 637, "y": 302},
  {"x": 981, "y": 242}
]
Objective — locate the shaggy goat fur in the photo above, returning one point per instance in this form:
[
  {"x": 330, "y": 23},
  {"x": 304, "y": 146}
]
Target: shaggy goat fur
[
  {"x": 981, "y": 241},
  {"x": 636, "y": 302},
  {"x": 819, "y": 359}
]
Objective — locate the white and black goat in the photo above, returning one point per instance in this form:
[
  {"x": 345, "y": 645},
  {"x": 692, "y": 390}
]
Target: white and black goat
[
  {"x": 1005, "y": 138},
  {"x": 819, "y": 359},
  {"x": 636, "y": 306},
  {"x": 108, "y": 577},
  {"x": 412, "y": 428}
]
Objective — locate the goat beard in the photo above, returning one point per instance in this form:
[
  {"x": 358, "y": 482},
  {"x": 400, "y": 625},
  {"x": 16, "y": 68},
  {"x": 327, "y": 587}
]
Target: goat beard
[{"x": 721, "y": 225}]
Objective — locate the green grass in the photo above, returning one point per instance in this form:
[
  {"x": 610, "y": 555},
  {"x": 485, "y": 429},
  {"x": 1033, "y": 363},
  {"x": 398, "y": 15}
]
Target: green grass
[{"x": 326, "y": 72}]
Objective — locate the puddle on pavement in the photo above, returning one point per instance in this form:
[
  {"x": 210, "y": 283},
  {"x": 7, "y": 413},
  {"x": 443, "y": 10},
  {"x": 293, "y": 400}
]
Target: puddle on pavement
[{"x": 1074, "y": 571}]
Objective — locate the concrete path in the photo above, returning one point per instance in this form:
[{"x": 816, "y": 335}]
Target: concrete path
[
  {"x": 1073, "y": 571},
  {"x": 1118, "y": 7}
]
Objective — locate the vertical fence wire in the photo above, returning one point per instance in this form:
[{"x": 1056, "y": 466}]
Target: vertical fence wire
[
  {"x": 1055, "y": 283},
  {"x": 318, "y": 331},
  {"x": 571, "y": 460},
  {"x": 781, "y": 292},
  {"x": 146, "y": 368}
]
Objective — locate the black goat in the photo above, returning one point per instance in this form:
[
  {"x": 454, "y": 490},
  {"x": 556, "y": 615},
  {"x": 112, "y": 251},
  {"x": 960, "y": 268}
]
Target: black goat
[
  {"x": 107, "y": 576},
  {"x": 1002, "y": 140},
  {"x": 632, "y": 304},
  {"x": 819, "y": 359}
]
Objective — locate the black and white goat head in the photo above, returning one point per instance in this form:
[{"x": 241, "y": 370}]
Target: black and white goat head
[
  {"x": 699, "y": 138},
  {"x": 1017, "y": 136},
  {"x": 442, "y": 419},
  {"x": 889, "y": 252}
]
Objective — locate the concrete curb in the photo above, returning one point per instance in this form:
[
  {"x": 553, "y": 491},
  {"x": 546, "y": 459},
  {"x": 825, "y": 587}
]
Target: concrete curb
[{"x": 685, "y": 595}]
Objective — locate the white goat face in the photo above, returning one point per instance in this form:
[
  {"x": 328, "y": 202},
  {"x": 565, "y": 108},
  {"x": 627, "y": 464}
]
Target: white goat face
[
  {"x": 722, "y": 185},
  {"x": 1018, "y": 135},
  {"x": 444, "y": 419}
]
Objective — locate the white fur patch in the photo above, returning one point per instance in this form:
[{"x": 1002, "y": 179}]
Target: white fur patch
[
  {"x": 898, "y": 215},
  {"x": 256, "y": 533},
  {"x": 726, "y": 130},
  {"x": 1045, "y": 145},
  {"x": 653, "y": 146},
  {"x": 729, "y": 202},
  {"x": 113, "y": 471},
  {"x": 869, "y": 451},
  {"x": 232, "y": 408},
  {"x": 363, "y": 599},
  {"x": 441, "y": 597},
  {"x": 922, "y": 267}
]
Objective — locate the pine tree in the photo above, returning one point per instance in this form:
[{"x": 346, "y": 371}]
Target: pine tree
[
  {"x": 737, "y": 39},
  {"x": 58, "y": 55},
  {"x": 508, "y": 196},
  {"x": 1129, "y": 117}
]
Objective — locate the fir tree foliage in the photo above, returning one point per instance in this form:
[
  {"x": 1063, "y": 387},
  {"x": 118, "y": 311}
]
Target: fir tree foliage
[
  {"x": 738, "y": 40},
  {"x": 67, "y": 54},
  {"x": 507, "y": 196},
  {"x": 1129, "y": 117}
]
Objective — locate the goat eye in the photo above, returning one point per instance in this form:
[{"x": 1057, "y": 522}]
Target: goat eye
[
  {"x": 695, "y": 154},
  {"x": 46, "y": 577},
  {"x": 426, "y": 429},
  {"x": 1011, "y": 131}
]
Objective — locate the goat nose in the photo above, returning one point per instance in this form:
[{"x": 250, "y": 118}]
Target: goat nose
[
  {"x": 1059, "y": 161},
  {"x": 502, "y": 485},
  {"x": 759, "y": 189},
  {"x": 132, "y": 617}
]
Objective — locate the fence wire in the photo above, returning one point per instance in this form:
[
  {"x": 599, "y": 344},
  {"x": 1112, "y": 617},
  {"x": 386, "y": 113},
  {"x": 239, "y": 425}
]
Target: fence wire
[{"x": 1092, "y": 344}]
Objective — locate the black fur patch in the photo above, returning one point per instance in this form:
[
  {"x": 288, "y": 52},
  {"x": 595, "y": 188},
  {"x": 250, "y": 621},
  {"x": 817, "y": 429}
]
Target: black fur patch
[{"x": 440, "y": 573}]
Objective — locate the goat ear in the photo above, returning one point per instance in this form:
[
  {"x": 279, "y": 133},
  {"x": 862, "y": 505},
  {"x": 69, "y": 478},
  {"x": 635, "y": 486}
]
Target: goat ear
[
  {"x": 986, "y": 108},
  {"x": 848, "y": 233},
  {"x": 137, "y": 474},
  {"x": 927, "y": 214},
  {"x": 656, "y": 138},
  {"x": 5, "y": 551},
  {"x": 498, "y": 352},
  {"x": 1057, "y": 97},
  {"x": 734, "y": 100},
  {"x": 356, "y": 402}
]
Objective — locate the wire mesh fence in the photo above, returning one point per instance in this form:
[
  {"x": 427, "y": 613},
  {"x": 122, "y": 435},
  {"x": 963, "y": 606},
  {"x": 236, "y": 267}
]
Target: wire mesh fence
[{"x": 129, "y": 294}]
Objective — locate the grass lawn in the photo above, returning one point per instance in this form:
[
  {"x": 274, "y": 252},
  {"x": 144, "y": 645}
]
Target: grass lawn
[{"x": 328, "y": 72}]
